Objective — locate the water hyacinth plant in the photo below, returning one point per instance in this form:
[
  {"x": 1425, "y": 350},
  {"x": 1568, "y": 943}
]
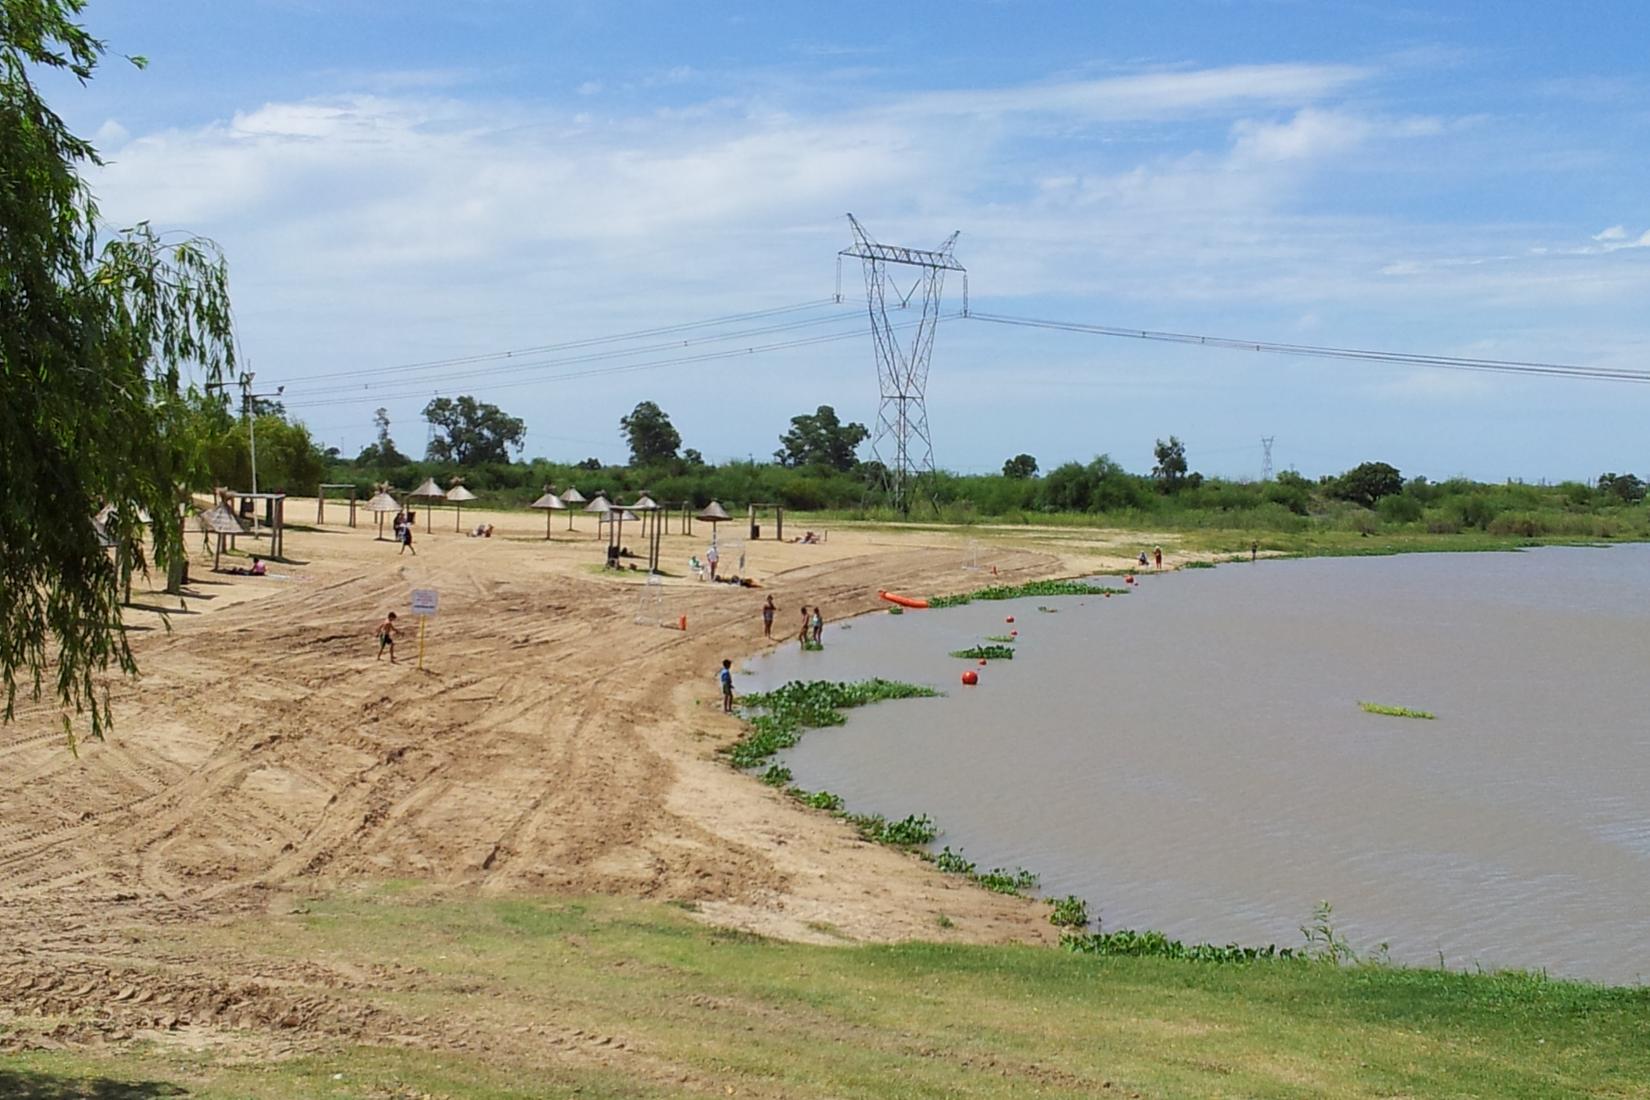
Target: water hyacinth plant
[
  {"x": 1032, "y": 588},
  {"x": 1395, "y": 712},
  {"x": 987, "y": 652}
]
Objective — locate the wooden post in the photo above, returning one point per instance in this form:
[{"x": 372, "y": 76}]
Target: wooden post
[{"x": 422, "y": 619}]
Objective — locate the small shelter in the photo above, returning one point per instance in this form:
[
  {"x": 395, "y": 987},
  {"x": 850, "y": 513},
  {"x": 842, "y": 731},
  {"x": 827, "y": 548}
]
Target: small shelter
[
  {"x": 382, "y": 504},
  {"x": 551, "y": 503},
  {"x": 430, "y": 491},
  {"x": 458, "y": 494},
  {"x": 220, "y": 520},
  {"x": 572, "y": 498},
  {"x": 599, "y": 506},
  {"x": 651, "y": 513},
  {"x": 321, "y": 499}
]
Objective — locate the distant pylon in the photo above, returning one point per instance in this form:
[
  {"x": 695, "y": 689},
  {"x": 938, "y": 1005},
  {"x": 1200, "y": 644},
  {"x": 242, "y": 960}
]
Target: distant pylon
[
  {"x": 1266, "y": 457},
  {"x": 902, "y": 369}
]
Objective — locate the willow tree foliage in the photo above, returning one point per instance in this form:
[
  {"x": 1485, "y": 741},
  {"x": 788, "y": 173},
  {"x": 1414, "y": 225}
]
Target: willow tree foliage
[{"x": 96, "y": 329}]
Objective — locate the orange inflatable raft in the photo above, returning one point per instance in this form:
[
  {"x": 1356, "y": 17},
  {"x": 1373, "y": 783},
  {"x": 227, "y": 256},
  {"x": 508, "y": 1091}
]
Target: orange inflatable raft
[{"x": 903, "y": 601}]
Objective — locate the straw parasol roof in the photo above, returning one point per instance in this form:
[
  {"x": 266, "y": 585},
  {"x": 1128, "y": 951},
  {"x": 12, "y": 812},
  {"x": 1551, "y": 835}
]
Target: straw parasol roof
[
  {"x": 644, "y": 503},
  {"x": 550, "y": 502},
  {"x": 220, "y": 519},
  {"x": 431, "y": 491},
  {"x": 572, "y": 496},
  {"x": 714, "y": 513},
  {"x": 382, "y": 502},
  {"x": 458, "y": 494}
]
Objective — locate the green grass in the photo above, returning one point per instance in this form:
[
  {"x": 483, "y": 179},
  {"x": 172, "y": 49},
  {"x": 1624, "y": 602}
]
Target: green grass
[
  {"x": 1395, "y": 712},
  {"x": 986, "y": 652},
  {"x": 736, "y": 1014}
]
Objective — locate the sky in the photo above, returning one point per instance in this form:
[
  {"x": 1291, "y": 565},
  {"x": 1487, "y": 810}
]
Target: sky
[{"x": 408, "y": 183}]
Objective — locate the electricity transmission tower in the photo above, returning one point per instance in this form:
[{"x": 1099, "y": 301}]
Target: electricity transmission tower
[
  {"x": 1266, "y": 457},
  {"x": 901, "y": 442}
]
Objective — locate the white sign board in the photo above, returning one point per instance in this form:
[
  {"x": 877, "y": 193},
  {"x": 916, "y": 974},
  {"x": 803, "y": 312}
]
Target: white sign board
[{"x": 425, "y": 601}]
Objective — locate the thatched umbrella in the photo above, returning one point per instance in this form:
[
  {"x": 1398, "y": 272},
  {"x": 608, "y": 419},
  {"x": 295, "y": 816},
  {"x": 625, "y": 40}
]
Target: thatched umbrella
[
  {"x": 431, "y": 492},
  {"x": 713, "y": 514},
  {"x": 571, "y": 498},
  {"x": 222, "y": 521},
  {"x": 599, "y": 506},
  {"x": 383, "y": 504},
  {"x": 550, "y": 502},
  {"x": 458, "y": 494}
]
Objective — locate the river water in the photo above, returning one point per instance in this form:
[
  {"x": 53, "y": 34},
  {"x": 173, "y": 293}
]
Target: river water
[{"x": 1191, "y": 757}]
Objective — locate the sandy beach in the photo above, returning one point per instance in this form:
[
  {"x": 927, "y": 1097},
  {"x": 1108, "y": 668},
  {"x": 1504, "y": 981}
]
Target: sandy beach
[{"x": 551, "y": 745}]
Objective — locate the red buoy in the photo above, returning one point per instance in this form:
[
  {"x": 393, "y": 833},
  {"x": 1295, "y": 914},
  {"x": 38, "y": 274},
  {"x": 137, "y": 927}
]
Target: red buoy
[
  {"x": 971, "y": 677},
  {"x": 1013, "y": 633},
  {"x": 1009, "y": 619}
]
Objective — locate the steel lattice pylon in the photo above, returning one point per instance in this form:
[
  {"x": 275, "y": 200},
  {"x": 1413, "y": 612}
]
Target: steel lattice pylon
[{"x": 902, "y": 368}]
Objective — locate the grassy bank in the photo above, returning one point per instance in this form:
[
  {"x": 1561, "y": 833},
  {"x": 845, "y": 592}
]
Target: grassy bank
[{"x": 677, "y": 1008}]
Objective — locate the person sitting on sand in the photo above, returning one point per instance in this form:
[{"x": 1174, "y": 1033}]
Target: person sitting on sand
[
  {"x": 768, "y": 610},
  {"x": 257, "y": 569},
  {"x": 387, "y": 630},
  {"x": 1141, "y": 560}
]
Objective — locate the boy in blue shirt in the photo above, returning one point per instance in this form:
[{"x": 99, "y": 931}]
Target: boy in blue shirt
[{"x": 726, "y": 676}]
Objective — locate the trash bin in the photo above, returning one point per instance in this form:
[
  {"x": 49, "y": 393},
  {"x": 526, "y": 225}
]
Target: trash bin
[{"x": 756, "y": 531}]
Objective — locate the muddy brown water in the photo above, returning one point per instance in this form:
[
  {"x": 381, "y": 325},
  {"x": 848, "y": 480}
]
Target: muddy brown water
[{"x": 1191, "y": 757}]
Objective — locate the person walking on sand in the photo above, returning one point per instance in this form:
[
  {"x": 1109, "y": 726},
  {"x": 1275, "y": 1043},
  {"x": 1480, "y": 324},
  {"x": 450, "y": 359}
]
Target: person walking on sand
[
  {"x": 406, "y": 540},
  {"x": 768, "y": 610},
  {"x": 726, "y": 676},
  {"x": 818, "y": 624},
  {"x": 387, "y": 630},
  {"x": 803, "y": 636},
  {"x": 1157, "y": 556}
]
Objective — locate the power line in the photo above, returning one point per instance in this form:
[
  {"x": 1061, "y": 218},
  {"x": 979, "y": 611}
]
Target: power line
[
  {"x": 593, "y": 372},
  {"x": 637, "y": 334},
  {"x": 1442, "y": 362},
  {"x": 515, "y": 366}
]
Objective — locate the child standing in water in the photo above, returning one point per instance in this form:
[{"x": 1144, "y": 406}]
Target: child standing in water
[
  {"x": 387, "y": 630},
  {"x": 767, "y": 618},
  {"x": 818, "y": 624},
  {"x": 803, "y": 636},
  {"x": 726, "y": 676}
]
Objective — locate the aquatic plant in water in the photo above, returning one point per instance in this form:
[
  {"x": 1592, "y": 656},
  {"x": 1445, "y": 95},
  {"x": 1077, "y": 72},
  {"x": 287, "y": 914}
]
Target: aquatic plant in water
[
  {"x": 1131, "y": 944},
  {"x": 1070, "y": 911},
  {"x": 782, "y": 714},
  {"x": 988, "y": 652},
  {"x": 1032, "y": 588},
  {"x": 1395, "y": 712}
]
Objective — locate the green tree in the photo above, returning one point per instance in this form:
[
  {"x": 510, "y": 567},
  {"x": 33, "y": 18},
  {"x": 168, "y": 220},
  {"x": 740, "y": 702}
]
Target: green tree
[
  {"x": 592, "y": 464},
  {"x": 472, "y": 432},
  {"x": 96, "y": 329},
  {"x": 1020, "y": 467},
  {"x": 652, "y": 438},
  {"x": 1170, "y": 470},
  {"x": 1367, "y": 483},
  {"x": 821, "y": 439},
  {"x": 383, "y": 451},
  {"x": 1626, "y": 488}
]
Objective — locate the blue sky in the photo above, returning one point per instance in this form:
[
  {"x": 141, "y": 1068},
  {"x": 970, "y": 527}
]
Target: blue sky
[{"x": 398, "y": 183}]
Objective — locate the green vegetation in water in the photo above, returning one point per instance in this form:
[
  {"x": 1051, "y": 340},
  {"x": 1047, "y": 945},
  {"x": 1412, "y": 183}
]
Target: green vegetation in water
[
  {"x": 988, "y": 652},
  {"x": 813, "y": 647},
  {"x": 1395, "y": 712},
  {"x": 1004, "y": 639},
  {"x": 896, "y": 611},
  {"x": 777, "y": 775},
  {"x": 1048, "y": 610},
  {"x": 908, "y": 832},
  {"x": 1070, "y": 911},
  {"x": 1198, "y": 565},
  {"x": 819, "y": 800},
  {"x": 1031, "y": 588},
  {"x": 997, "y": 880},
  {"x": 802, "y": 705},
  {"x": 1155, "y": 945}
]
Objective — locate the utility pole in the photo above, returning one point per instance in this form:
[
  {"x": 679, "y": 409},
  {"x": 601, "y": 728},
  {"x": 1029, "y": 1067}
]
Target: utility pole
[
  {"x": 247, "y": 413},
  {"x": 902, "y": 369},
  {"x": 1266, "y": 457}
]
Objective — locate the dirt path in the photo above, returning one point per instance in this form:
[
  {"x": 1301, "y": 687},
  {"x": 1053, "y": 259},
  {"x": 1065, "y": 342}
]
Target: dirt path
[{"x": 550, "y": 745}]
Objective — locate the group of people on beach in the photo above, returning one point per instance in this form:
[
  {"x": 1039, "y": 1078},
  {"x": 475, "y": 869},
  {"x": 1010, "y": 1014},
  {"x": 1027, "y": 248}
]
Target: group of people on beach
[
  {"x": 813, "y": 623},
  {"x": 1156, "y": 558}
]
